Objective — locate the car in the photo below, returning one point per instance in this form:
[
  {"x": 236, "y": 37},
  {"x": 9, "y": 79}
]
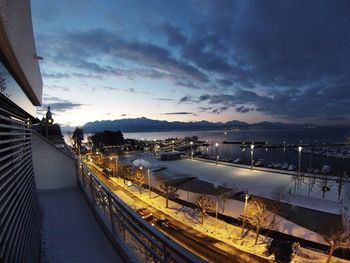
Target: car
[
  {"x": 144, "y": 212},
  {"x": 163, "y": 222},
  {"x": 152, "y": 220}
]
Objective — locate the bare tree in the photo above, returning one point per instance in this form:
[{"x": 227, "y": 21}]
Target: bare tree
[
  {"x": 226, "y": 194},
  {"x": 257, "y": 215},
  {"x": 205, "y": 204},
  {"x": 139, "y": 179},
  {"x": 338, "y": 237},
  {"x": 274, "y": 207},
  {"x": 169, "y": 191}
]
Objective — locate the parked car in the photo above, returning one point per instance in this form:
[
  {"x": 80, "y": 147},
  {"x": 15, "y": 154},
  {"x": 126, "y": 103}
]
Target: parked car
[
  {"x": 144, "y": 212},
  {"x": 163, "y": 222},
  {"x": 152, "y": 220}
]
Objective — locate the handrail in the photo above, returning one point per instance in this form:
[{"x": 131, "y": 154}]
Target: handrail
[{"x": 127, "y": 224}]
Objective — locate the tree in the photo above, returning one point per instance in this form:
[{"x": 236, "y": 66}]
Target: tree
[
  {"x": 226, "y": 193},
  {"x": 338, "y": 237},
  {"x": 204, "y": 204},
  {"x": 139, "y": 179},
  {"x": 169, "y": 191},
  {"x": 274, "y": 207},
  {"x": 78, "y": 137},
  {"x": 108, "y": 138},
  {"x": 257, "y": 215}
]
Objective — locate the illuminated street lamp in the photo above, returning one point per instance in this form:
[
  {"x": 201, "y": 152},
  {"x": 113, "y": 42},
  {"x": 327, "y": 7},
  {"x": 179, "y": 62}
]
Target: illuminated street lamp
[
  {"x": 191, "y": 143},
  {"x": 149, "y": 183},
  {"x": 251, "y": 156},
  {"x": 172, "y": 143},
  {"x": 216, "y": 150},
  {"x": 246, "y": 197},
  {"x": 299, "y": 160},
  {"x": 116, "y": 164}
]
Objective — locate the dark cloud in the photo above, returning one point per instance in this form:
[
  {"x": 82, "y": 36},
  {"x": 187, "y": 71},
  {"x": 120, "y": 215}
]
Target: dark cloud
[
  {"x": 294, "y": 53},
  {"x": 174, "y": 35},
  {"x": 164, "y": 99},
  {"x": 220, "y": 110},
  {"x": 186, "y": 99},
  {"x": 57, "y": 104},
  {"x": 243, "y": 109},
  {"x": 180, "y": 113},
  {"x": 203, "y": 97},
  {"x": 287, "y": 59},
  {"x": 127, "y": 90},
  {"x": 205, "y": 109},
  {"x": 79, "y": 49}
]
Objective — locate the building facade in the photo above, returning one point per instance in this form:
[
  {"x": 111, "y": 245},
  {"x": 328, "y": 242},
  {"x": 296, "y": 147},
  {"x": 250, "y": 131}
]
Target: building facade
[{"x": 20, "y": 92}]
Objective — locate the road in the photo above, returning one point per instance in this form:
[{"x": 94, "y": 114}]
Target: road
[{"x": 195, "y": 241}]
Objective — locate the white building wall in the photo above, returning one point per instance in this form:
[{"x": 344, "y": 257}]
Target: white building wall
[
  {"x": 16, "y": 20},
  {"x": 53, "y": 168}
]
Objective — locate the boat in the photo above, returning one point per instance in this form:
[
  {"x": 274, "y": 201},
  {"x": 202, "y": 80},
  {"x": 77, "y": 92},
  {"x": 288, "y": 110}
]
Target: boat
[
  {"x": 284, "y": 166},
  {"x": 326, "y": 169},
  {"x": 260, "y": 162},
  {"x": 237, "y": 160},
  {"x": 277, "y": 165},
  {"x": 291, "y": 167},
  {"x": 270, "y": 165}
]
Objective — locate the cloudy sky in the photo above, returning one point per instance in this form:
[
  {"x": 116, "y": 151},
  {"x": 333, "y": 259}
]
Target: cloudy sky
[{"x": 195, "y": 60}]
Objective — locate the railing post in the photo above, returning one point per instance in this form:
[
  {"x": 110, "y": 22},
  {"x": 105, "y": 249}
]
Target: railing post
[
  {"x": 110, "y": 205},
  {"x": 92, "y": 189},
  {"x": 165, "y": 253}
]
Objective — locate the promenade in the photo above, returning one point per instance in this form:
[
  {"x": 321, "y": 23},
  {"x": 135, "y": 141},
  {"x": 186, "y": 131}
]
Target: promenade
[{"x": 261, "y": 183}]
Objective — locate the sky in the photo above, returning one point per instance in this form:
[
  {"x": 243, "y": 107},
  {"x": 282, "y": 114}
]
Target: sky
[{"x": 252, "y": 61}]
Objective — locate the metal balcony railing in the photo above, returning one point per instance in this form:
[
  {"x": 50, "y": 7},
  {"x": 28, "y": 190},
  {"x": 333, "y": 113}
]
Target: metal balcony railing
[{"x": 147, "y": 243}]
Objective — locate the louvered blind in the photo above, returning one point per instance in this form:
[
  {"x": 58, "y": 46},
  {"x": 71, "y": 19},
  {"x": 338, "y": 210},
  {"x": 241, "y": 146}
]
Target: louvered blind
[{"x": 19, "y": 205}]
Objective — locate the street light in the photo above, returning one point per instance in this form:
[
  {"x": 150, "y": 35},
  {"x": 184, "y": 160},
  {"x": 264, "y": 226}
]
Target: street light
[
  {"x": 251, "y": 156},
  {"x": 116, "y": 164},
  {"x": 172, "y": 142},
  {"x": 246, "y": 197},
  {"x": 191, "y": 143},
  {"x": 216, "y": 150},
  {"x": 149, "y": 183},
  {"x": 299, "y": 160}
]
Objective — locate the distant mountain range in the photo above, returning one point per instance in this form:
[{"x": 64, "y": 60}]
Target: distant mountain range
[{"x": 148, "y": 125}]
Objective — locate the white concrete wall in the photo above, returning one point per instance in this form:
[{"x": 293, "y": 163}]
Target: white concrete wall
[
  {"x": 53, "y": 168},
  {"x": 15, "y": 16}
]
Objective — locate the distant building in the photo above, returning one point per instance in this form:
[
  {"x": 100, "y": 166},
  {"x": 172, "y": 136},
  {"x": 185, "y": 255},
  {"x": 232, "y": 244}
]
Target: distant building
[{"x": 49, "y": 129}]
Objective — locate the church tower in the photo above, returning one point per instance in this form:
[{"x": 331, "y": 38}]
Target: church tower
[{"x": 49, "y": 119}]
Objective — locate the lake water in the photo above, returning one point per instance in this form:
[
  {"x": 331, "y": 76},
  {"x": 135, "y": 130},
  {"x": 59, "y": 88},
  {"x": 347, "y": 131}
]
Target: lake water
[{"x": 327, "y": 135}]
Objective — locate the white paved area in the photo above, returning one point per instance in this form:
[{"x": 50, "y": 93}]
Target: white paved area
[
  {"x": 260, "y": 183},
  {"x": 70, "y": 230}
]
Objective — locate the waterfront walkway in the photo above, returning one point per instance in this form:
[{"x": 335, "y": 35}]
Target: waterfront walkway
[
  {"x": 70, "y": 230},
  {"x": 259, "y": 183}
]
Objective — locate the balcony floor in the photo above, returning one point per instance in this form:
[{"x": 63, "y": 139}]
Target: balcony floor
[{"x": 70, "y": 230}]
